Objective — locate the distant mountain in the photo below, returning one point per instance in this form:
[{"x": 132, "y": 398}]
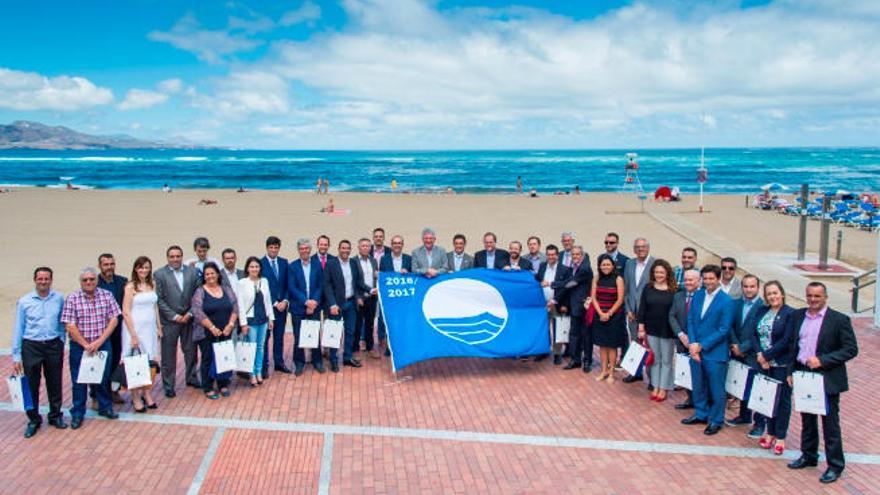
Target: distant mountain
[{"x": 23, "y": 134}]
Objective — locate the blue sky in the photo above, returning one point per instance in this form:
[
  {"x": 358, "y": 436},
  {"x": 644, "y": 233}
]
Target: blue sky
[{"x": 365, "y": 74}]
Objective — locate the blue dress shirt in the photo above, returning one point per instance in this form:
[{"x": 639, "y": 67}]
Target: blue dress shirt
[{"x": 37, "y": 318}]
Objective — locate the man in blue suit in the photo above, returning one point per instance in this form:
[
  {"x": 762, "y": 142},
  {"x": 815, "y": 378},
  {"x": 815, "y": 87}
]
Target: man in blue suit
[
  {"x": 394, "y": 261},
  {"x": 305, "y": 288},
  {"x": 708, "y": 327},
  {"x": 343, "y": 288},
  {"x": 275, "y": 271},
  {"x": 745, "y": 323}
]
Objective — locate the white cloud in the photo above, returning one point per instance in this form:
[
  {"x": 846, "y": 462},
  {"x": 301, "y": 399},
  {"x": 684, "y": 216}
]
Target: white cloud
[
  {"x": 170, "y": 86},
  {"x": 31, "y": 91},
  {"x": 208, "y": 45},
  {"x": 245, "y": 92},
  {"x": 307, "y": 13},
  {"x": 141, "y": 98}
]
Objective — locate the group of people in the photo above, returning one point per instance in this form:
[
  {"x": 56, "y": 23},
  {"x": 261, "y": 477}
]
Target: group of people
[{"x": 709, "y": 313}]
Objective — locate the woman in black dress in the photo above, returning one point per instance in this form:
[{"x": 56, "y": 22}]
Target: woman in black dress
[{"x": 609, "y": 326}]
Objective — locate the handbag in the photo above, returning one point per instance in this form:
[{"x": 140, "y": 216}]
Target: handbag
[
  {"x": 590, "y": 316},
  {"x": 649, "y": 359},
  {"x": 20, "y": 393}
]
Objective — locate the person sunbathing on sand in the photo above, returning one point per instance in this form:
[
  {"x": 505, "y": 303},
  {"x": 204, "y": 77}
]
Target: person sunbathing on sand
[
  {"x": 207, "y": 202},
  {"x": 330, "y": 208}
]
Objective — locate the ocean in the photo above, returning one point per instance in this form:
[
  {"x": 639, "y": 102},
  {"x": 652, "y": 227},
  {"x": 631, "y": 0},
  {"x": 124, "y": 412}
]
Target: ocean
[{"x": 730, "y": 171}]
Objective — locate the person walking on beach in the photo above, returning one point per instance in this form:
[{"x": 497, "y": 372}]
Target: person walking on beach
[
  {"x": 175, "y": 284},
  {"x": 326, "y": 186},
  {"x": 38, "y": 347},
  {"x": 519, "y": 185},
  {"x": 319, "y": 185}
]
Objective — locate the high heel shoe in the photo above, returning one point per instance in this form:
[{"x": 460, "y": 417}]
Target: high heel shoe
[
  {"x": 765, "y": 443},
  {"x": 141, "y": 410},
  {"x": 149, "y": 406},
  {"x": 601, "y": 377},
  {"x": 778, "y": 449}
]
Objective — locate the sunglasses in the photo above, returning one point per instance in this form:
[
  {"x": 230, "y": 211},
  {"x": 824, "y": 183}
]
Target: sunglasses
[
  {"x": 728, "y": 268},
  {"x": 610, "y": 243}
]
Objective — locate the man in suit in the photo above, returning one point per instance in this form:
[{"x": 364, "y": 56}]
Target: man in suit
[
  {"x": 396, "y": 260},
  {"x": 379, "y": 248},
  {"x": 275, "y": 270},
  {"x": 115, "y": 284},
  {"x": 366, "y": 310},
  {"x": 635, "y": 276},
  {"x": 708, "y": 326},
  {"x": 535, "y": 256},
  {"x": 323, "y": 255},
  {"x": 577, "y": 288},
  {"x": 429, "y": 259},
  {"x": 489, "y": 256},
  {"x": 458, "y": 260},
  {"x": 175, "y": 284},
  {"x": 305, "y": 288},
  {"x": 681, "y": 305},
  {"x": 516, "y": 262},
  {"x": 201, "y": 247},
  {"x": 823, "y": 344},
  {"x": 688, "y": 262},
  {"x": 229, "y": 272},
  {"x": 567, "y": 241},
  {"x": 343, "y": 287},
  {"x": 729, "y": 281},
  {"x": 612, "y": 245},
  {"x": 745, "y": 322},
  {"x": 552, "y": 276}
]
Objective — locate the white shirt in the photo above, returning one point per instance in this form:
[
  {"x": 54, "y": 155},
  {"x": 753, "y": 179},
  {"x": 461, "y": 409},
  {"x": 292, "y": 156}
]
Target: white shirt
[
  {"x": 490, "y": 259},
  {"x": 429, "y": 256},
  {"x": 378, "y": 253},
  {"x": 397, "y": 262},
  {"x": 456, "y": 261},
  {"x": 549, "y": 276},
  {"x": 178, "y": 275},
  {"x": 367, "y": 268},
  {"x": 349, "y": 280},
  {"x": 640, "y": 269},
  {"x": 708, "y": 302},
  {"x": 307, "y": 273},
  {"x": 726, "y": 287},
  {"x": 566, "y": 258}
]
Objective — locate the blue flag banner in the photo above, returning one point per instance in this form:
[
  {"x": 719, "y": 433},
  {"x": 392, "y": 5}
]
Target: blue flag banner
[{"x": 472, "y": 313}]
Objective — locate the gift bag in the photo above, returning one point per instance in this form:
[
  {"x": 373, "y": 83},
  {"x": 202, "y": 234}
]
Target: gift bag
[
  {"x": 764, "y": 395},
  {"x": 245, "y": 354},
  {"x": 683, "y": 371},
  {"x": 137, "y": 371},
  {"x": 563, "y": 328},
  {"x": 809, "y": 393},
  {"x": 20, "y": 393},
  {"x": 224, "y": 356},
  {"x": 309, "y": 334},
  {"x": 331, "y": 333},
  {"x": 634, "y": 358},
  {"x": 738, "y": 377},
  {"x": 91, "y": 368}
]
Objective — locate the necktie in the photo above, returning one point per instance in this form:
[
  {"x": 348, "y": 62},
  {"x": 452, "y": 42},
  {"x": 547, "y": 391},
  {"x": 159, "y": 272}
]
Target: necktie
[
  {"x": 275, "y": 267},
  {"x": 687, "y": 304},
  {"x": 323, "y": 261},
  {"x": 574, "y": 267}
]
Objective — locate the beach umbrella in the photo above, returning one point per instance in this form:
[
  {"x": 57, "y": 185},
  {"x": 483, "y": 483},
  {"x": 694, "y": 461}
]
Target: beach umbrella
[
  {"x": 663, "y": 192},
  {"x": 774, "y": 186},
  {"x": 838, "y": 192}
]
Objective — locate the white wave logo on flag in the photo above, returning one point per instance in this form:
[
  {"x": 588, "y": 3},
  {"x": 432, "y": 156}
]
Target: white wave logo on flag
[{"x": 465, "y": 310}]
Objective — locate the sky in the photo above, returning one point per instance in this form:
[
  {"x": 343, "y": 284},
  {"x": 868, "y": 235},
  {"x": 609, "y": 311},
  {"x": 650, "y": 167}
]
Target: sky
[{"x": 449, "y": 74}]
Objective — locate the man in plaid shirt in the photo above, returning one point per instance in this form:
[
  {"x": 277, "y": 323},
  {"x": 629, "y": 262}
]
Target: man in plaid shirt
[{"x": 90, "y": 315}]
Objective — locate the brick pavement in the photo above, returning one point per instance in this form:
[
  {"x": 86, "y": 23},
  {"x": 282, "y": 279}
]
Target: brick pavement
[{"x": 456, "y": 425}]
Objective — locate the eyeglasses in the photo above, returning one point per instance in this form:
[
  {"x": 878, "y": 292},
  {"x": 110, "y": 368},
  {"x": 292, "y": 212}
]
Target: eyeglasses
[
  {"x": 89, "y": 279},
  {"x": 729, "y": 268},
  {"x": 610, "y": 243}
]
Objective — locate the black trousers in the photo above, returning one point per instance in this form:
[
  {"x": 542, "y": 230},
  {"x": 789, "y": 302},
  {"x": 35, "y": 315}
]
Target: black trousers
[
  {"x": 46, "y": 358},
  {"x": 830, "y": 431},
  {"x": 363, "y": 328},
  {"x": 580, "y": 340}
]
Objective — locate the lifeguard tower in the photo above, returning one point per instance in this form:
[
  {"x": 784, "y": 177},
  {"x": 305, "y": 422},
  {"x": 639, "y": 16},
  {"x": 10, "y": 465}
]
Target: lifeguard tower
[{"x": 632, "y": 183}]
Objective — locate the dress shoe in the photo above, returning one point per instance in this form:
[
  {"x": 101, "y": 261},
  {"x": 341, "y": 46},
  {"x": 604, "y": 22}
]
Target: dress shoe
[
  {"x": 631, "y": 379},
  {"x": 374, "y": 353},
  {"x": 108, "y": 414},
  {"x": 588, "y": 367},
  {"x": 737, "y": 421},
  {"x": 76, "y": 422},
  {"x": 572, "y": 365},
  {"x": 830, "y": 475},
  {"x": 117, "y": 399},
  {"x": 755, "y": 433},
  {"x": 802, "y": 462},
  {"x": 193, "y": 384},
  {"x": 170, "y": 393},
  {"x": 320, "y": 368},
  {"x": 283, "y": 369},
  {"x": 712, "y": 429},
  {"x": 354, "y": 363},
  {"x": 540, "y": 357},
  {"x": 387, "y": 352},
  {"x": 31, "y": 429},
  {"x": 557, "y": 360},
  {"x": 334, "y": 367},
  {"x": 694, "y": 420},
  {"x": 58, "y": 423},
  {"x": 685, "y": 405},
  {"x": 297, "y": 372}
]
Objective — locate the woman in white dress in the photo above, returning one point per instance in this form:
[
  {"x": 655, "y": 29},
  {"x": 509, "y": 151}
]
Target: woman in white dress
[{"x": 140, "y": 324}]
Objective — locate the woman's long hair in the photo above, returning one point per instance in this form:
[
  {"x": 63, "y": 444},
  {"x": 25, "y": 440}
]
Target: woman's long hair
[{"x": 136, "y": 279}]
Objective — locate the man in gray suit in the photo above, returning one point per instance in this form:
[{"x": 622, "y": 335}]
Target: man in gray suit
[
  {"x": 635, "y": 277},
  {"x": 175, "y": 284},
  {"x": 428, "y": 259},
  {"x": 459, "y": 260},
  {"x": 681, "y": 304}
]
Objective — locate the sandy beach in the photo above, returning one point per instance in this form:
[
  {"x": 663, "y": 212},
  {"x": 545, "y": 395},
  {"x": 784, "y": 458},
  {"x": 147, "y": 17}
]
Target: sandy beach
[{"x": 68, "y": 229}]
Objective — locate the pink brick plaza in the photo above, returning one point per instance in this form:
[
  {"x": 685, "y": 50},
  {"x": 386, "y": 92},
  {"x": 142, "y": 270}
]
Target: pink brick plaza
[{"x": 446, "y": 426}]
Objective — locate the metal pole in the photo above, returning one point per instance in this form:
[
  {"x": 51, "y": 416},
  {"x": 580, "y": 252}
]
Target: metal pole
[
  {"x": 701, "y": 197},
  {"x": 839, "y": 244},
  {"x": 877, "y": 286},
  {"x": 802, "y": 233},
  {"x": 824, "y": 232}
]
